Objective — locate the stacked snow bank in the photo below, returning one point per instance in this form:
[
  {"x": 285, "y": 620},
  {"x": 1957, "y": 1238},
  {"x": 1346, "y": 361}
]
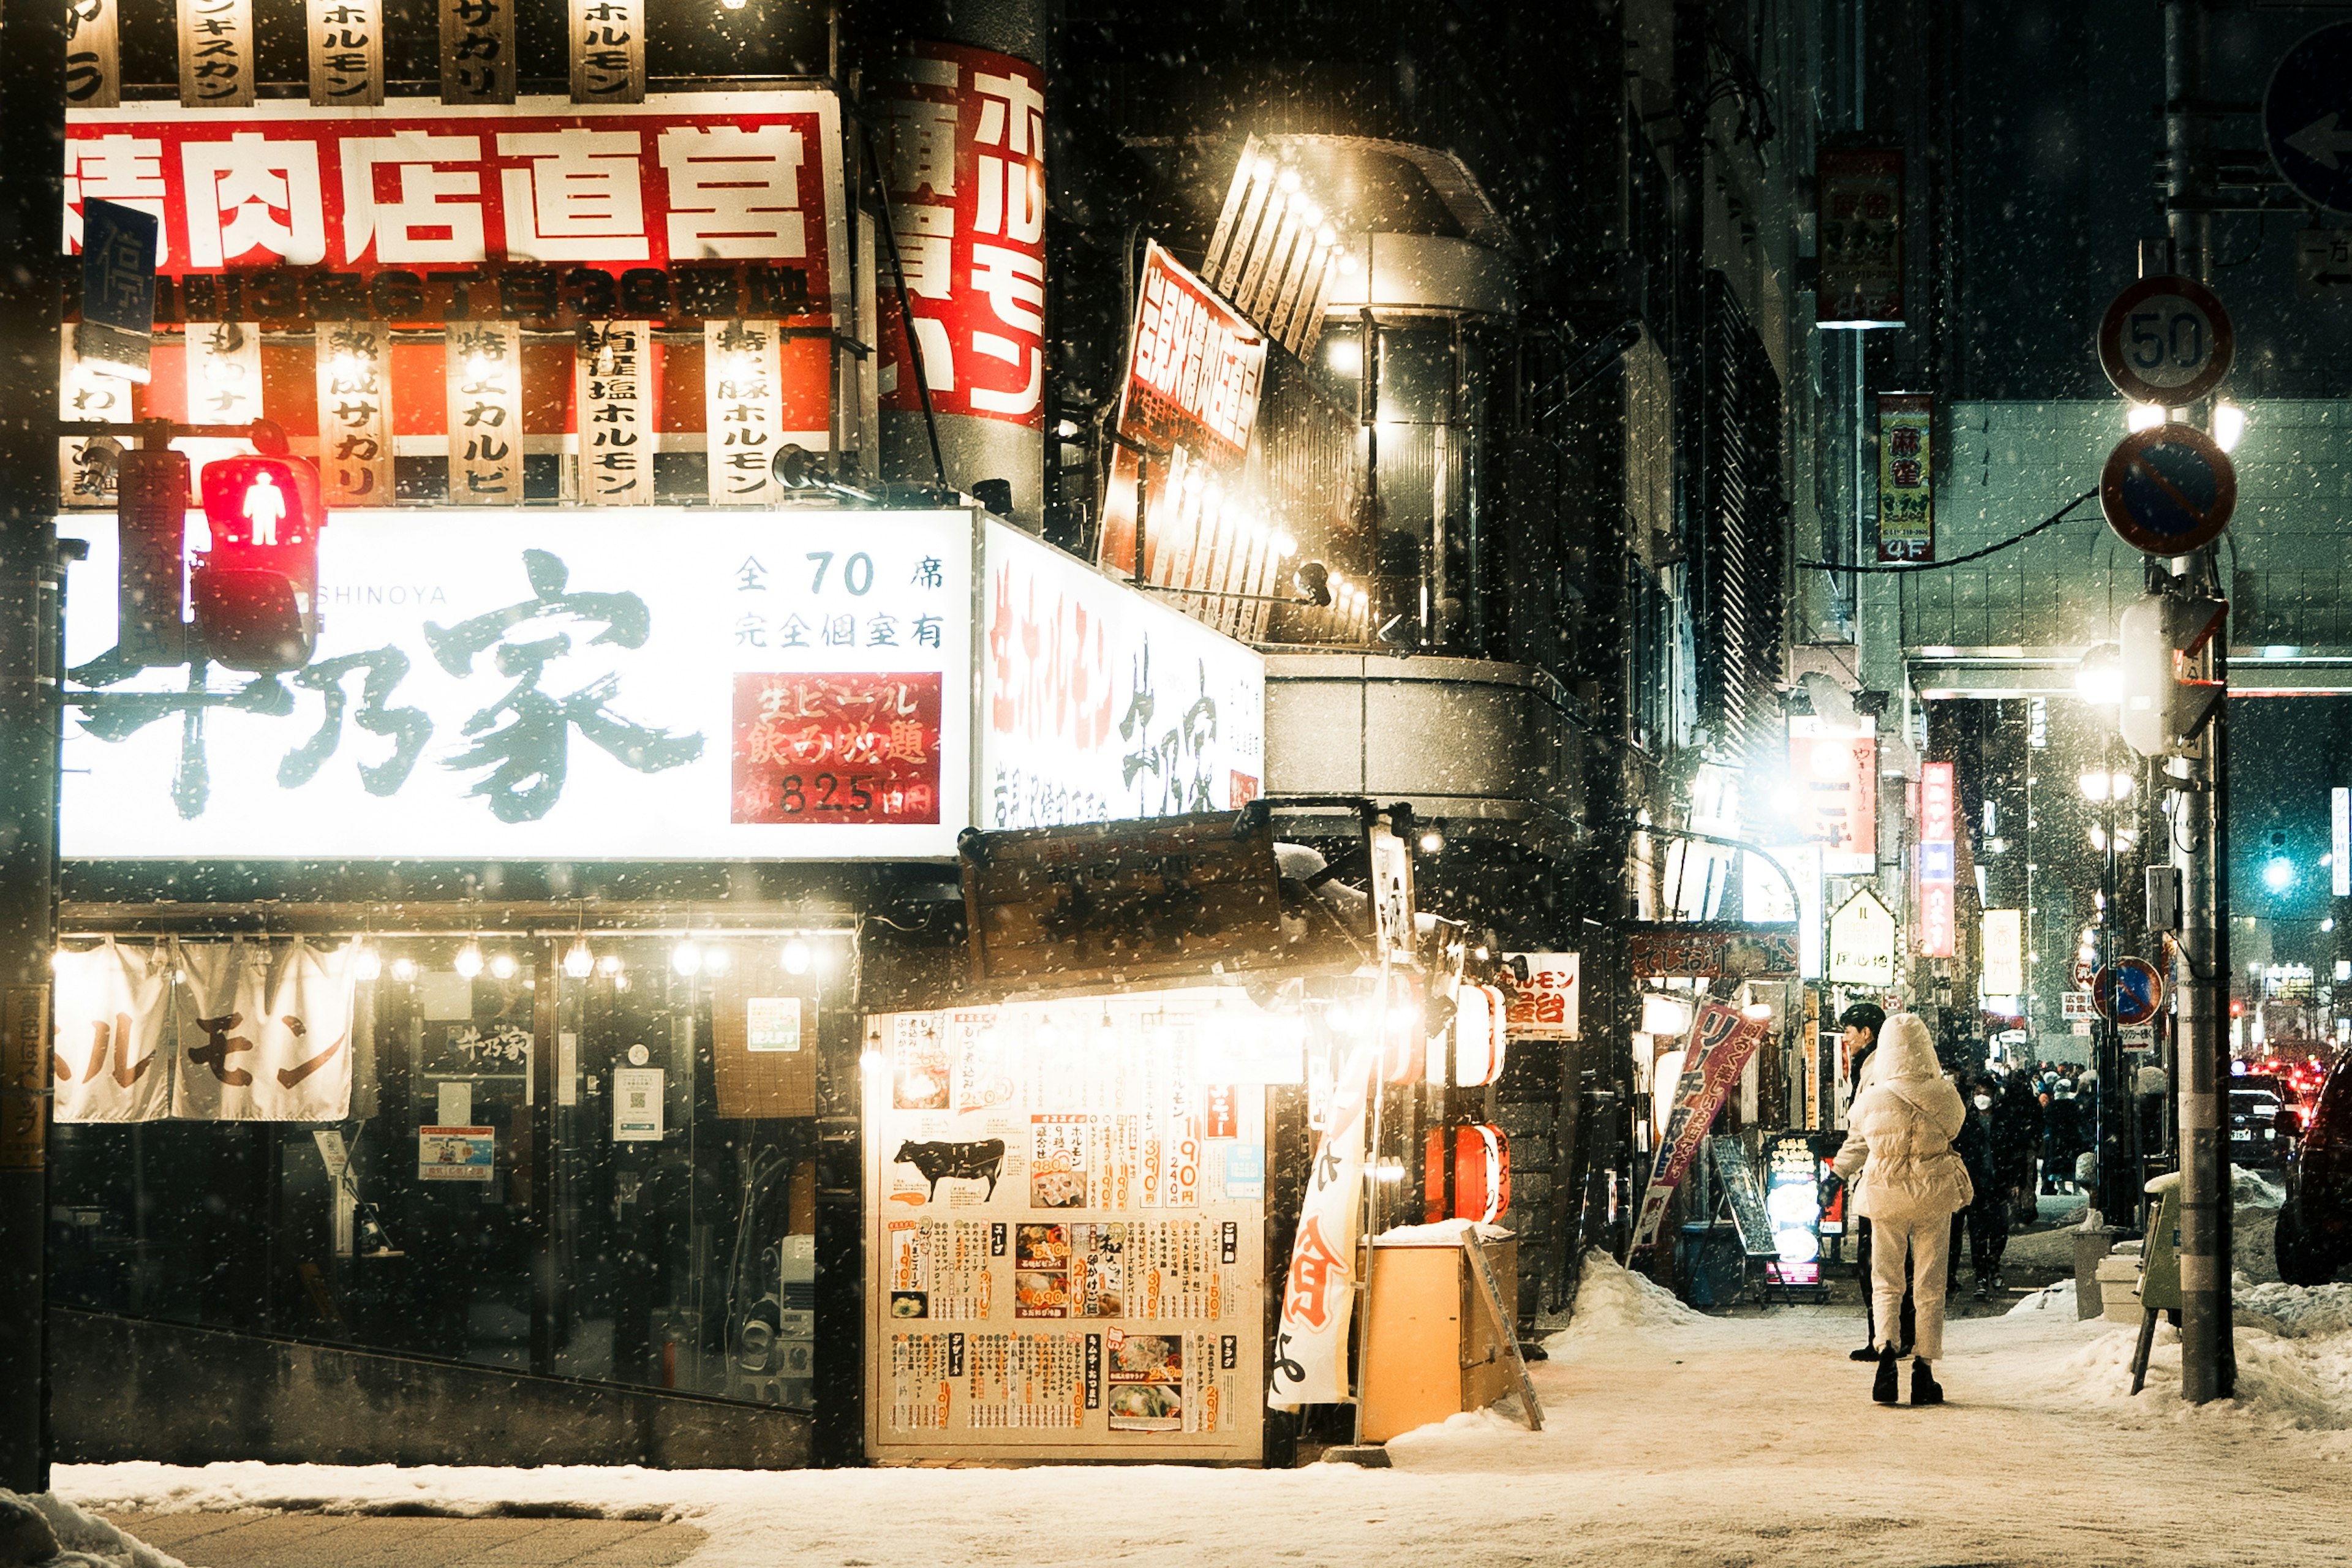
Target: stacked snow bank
[
  {"x": 2253, "y": 1190},
  {"x": 79, "y": 1541},
  {"x": 1614, "y": 1302},
  {"x": 450, "y": 1492}
]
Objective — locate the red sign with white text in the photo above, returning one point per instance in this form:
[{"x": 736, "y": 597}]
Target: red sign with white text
[
  {"x": 1937, "y": 812},
  {"x": 849, "y": 750},
  {"x": 426, "y": 187},
  {"x": 965, "y": 159}
]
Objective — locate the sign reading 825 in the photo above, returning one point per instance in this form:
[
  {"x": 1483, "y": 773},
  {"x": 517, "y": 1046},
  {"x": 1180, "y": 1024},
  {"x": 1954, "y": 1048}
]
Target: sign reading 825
[{"x": 2166, "y": 341}]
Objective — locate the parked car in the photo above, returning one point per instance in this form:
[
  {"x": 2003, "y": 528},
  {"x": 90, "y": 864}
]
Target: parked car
[
  {"x": 2313, "y": 1239},
  {"x": 2257, "y": 1137}
]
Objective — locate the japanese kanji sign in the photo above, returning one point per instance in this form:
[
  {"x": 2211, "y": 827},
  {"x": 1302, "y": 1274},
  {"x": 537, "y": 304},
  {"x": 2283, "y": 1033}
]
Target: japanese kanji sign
[
  {"x": 225, "y": 374},
  {"x": 216, "y": 54},
  {"x": 1102, "y": 704},
  {"x": 742, "y": 389},
  {"x": 423, "y": 188},
  {"x": 485, "y": 379},
  {"x": 1860, "y": 233},
  {"x": 1549, "y": 1004},
  {"x": 1318, "y": 1289},
  {"x": 492, "y": 680},
  {"x": 1833, "y": 778},
  {"x": 354, "y": 413},
  {"x": 1193, "y": 372},
  {"x": 86, "y": 393},
  {"x": 93, "y": 53},
  {"x": 856, "y": 748},
  {"x": 1906, "y": 503},
  {"x": 965, "y": 164},
  {"x": 118, "y": 288},
  {"x": 613, "y": 393},
  {"x": 266, "y": 1034},
  {"x": 1937, "y": 862},
  {"x": 346, "y": 39},
  {"x": 477, "y": 51}
]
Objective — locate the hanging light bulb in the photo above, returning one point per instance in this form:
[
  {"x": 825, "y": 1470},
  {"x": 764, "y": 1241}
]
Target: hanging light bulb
[
  {"x": 715, "y": 958},
  {"x": 468, "y": 962},
  {"x": 609, "y": 965},
  {"x": 686, "y": 958},
  {"x": 366, "y": 961},
  {"x": 578, "y": 962},
  {"x": 502, "y": 965},
  {"x": 796, "y": 956},
  {"x": 403, "y": 969}
]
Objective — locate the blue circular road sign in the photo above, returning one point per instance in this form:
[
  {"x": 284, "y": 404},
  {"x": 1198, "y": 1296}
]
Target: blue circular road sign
[
  {"x": 2308, "y": 117},
  {"x": 2129, "y": 991},
  {"x": 2168, "y": 490}
]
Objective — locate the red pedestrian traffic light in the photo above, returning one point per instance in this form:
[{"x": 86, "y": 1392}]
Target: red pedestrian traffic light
[{"x": 255, "y": 594}]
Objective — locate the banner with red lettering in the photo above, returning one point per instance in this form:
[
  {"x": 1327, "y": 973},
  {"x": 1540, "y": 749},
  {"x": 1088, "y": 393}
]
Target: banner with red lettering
[
  {"x": 1319, "y": 1293},
  {"x": 267, "y": 1036},
  {"x": 1721, "y": 1040},
  {"x": 107, "y": 1030},
  {"x": 965, "y": 162}
]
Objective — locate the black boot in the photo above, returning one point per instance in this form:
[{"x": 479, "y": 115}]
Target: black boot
[
  {"x": 1867, "y": 1353},
  {"x": 1924, "y": 1389},
  {"x": 1882, "y": 1388}
]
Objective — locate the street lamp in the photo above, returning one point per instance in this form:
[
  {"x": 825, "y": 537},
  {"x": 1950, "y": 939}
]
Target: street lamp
[{"x": 2099, "y": 674}]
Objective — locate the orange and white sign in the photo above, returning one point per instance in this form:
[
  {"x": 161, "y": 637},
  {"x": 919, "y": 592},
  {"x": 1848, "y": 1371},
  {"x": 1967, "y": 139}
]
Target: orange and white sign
[{"x": 1832, "y": 776}]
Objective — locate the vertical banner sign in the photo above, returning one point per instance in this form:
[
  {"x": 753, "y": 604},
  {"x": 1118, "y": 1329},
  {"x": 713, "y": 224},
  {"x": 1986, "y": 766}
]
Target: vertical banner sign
[
  {"x": 1721, "y": 1041},
  {"x": 1834, "y": 774},
  {"x": 616, "y": 448},
  {"x": 1938, "y": 863},
  {"x": 966, "y": 164},
  {"x": 1318, "y": 1291},
  {"x": 2004, "y": 953},
  {"x": 743, "y": 413},
  {"x": 1861, "y": 942},
  {"x": 608, "y": 51},
  {"x": 486, "y": 413},
  {"x": 216, "y": 54},
  {"x": 477, "y": 51},
  {"x": 25, "y": 1079},
  {"x": 1861, "y": 237},
  {"x": 1194, "y": 366},
  {"x": 93, "y": 54},
  {"x": 2339, "y": 833},
  {"x": 117, "y": 288},
  {"x": 225, "y": 374},
  {"x": 346, "y": 39},
  {"x": 86, "y": 393},
  {"x": 1907, "y": 503},
  {"x": 355, "y": 412},
  {"x": 108, "y": 1061}
]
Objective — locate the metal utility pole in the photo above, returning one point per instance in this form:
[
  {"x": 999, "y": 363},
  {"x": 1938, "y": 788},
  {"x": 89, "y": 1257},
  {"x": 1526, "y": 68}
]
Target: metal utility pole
[
  {"x": 2200, "y": 790},
  {"x": 32, "y": 162}
]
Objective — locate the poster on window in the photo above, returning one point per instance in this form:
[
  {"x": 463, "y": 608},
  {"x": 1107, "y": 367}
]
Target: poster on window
[{"x": 1065, "y": 1267}]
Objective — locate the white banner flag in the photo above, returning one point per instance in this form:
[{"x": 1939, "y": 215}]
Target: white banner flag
[
  {"x": 109, "y": 1025},
  {"x": 263, "y": 1040},
  {"x": 1319, "y": 1295}
]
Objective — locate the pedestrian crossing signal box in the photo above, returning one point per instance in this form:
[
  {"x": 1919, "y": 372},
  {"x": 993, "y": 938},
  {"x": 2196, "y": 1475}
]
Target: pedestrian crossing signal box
[{"x": 254, "y": 593}]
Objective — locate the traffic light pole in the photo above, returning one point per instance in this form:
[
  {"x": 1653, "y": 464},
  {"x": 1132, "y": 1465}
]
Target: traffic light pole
[{"x": 32, "y": 163}]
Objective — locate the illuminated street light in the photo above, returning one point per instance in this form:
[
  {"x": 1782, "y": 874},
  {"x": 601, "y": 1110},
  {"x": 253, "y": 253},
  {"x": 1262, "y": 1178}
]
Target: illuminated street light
[
  {"x": 2278, "y": 874},
  {"x": 2099, "y": 676},
  {"x": 2098, "y": 785}
]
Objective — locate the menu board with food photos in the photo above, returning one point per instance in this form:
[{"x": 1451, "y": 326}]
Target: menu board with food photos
[{"x": 1065, "y": 1201}]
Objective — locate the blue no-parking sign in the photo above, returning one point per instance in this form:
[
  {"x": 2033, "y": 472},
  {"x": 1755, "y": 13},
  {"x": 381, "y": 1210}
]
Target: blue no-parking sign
[{"x": 2168, "y": 490}]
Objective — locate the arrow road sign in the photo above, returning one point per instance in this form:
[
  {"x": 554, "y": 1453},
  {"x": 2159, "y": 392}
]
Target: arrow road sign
[
  {"x": 2166, "y": 341},
  {"x": 2308, "y": 117},
  {"x": 2129, "y": 991},
  {"x": 2168, "y": 490}
]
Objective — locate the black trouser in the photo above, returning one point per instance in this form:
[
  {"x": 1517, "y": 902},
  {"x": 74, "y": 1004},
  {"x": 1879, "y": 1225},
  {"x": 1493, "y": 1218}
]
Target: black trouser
[
  {"x": 1986, "y": 1222},
  {"x": 1862, "y": 1272}
]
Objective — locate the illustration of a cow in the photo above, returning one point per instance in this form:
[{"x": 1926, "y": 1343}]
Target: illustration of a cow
[{"x": 980, "y": 1162}]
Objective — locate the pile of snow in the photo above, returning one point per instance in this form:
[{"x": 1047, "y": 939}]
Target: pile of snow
[
  {"x": 83, "y": 1541},
  {"x": 2299, "y": 1313},
  {"x": 1611, "y": 1300},
  {"x": 2057, "y": 1299},
  {"x": 2253, "y": 1190},
  {"x": 447, "y": 1491},
  {"x": 1444, "y": 1233}
]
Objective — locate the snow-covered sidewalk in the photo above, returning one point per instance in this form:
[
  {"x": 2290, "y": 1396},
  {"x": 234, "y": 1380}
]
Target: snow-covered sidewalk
[{"x": 1751, "y": 1440}]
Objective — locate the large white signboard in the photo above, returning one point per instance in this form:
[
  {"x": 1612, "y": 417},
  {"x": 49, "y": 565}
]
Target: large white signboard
[
  {"x": 1099, "y": 704},
  {"x": 663, "y": 683}
]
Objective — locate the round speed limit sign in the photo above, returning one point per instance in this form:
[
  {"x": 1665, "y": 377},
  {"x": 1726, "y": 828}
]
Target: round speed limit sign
[{"x": 2166, "y": 341}]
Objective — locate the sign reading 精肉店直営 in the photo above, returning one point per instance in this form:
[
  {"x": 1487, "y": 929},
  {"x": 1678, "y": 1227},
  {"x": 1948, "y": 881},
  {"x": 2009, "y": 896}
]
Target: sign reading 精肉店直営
[
  {"x": 501, "y": 682},
  {"x": 2307, "y": 116},
  {"x": 561, "y": 198},
  {"x": 2168, "y": 490},
  {"x": 1100, "y": 704}
]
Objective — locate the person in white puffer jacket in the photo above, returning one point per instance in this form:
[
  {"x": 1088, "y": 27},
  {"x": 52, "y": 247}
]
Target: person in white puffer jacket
[{"x": 1911, "y": 1182}]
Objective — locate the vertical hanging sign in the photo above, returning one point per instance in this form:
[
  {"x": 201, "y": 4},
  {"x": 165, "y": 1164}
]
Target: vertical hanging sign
[
  {"x": 225, "y": 374},
  {"x": 1906, "y": 503},
  {"x": 217, "y": 63},
  {"x": 477, "y": 51},
  {"x": 1860, "y": 237},
  {"x": 608, "y": 51},
  {"x": 354, "y": 414},
  {"x": 744, "y": 419},
  {"x": 1938, "y": 863},
  {"x": 616, "y": 448},
  {"x": 86, "y": 394},
  {"x": 486, "y": 413},
  {"x": 346, "y": 39},
  {"x": 93, "y": 54}
]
